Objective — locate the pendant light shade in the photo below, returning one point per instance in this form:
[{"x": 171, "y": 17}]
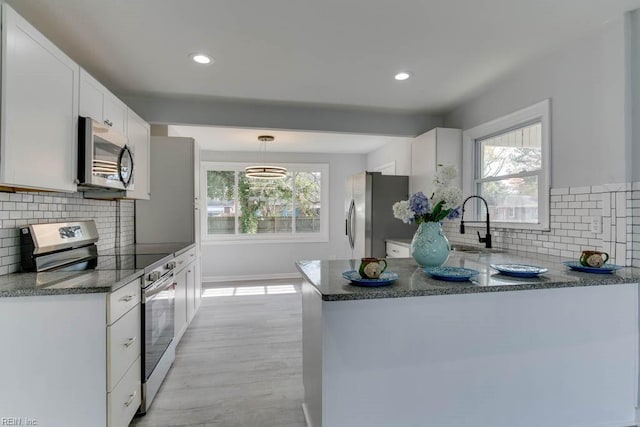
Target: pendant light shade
[{"x": 263, "y": 171}]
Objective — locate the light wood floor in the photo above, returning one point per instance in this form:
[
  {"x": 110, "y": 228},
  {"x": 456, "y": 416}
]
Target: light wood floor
[{"x": 240, "y": 362}]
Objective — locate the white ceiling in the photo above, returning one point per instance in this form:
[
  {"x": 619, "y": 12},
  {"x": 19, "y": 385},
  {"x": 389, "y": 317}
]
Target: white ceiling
[
  {"x": 233, "y": 139},
  {"x": 323, "y": 52}
]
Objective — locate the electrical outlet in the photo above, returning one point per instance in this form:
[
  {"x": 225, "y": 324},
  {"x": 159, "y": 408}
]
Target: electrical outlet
[{"x": 596, "y": 225}]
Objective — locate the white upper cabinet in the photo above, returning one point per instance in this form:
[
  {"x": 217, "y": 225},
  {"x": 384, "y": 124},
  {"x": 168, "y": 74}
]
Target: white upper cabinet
[
  {"x": 139, "y": 133},
  {"x": 39, "y": 104},
  {"x": 98, "y": 103},
  {"x": 438, "y": 146}
]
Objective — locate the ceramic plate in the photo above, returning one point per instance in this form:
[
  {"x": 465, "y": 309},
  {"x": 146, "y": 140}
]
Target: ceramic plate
[
  {"x": 605, "y": 269},
  {"x": 386, "y": 278},
  {"x": 519, "y": 270},
  {"x": 451, "y": 274}
]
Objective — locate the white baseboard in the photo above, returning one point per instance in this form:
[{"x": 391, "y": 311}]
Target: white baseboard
[
  {"x": 239, "y": 278},
  {"x": 306, "y": 415}
]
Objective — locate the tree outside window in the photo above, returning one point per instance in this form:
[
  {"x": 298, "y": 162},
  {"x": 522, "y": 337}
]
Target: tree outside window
[{"x": 241, "y": 205}]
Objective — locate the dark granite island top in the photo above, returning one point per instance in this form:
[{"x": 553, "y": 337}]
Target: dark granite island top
[{"x": 326, "y": 277}]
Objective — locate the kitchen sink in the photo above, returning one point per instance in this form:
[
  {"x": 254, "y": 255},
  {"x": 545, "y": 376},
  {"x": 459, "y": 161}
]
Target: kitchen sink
[{"x": 475, "y": 249}]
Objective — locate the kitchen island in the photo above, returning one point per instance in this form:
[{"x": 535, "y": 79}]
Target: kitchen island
[{"x": 558, "y": 350}]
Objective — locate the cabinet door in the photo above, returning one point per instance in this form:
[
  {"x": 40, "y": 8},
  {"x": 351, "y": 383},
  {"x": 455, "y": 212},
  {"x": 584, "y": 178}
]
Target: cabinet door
[
  {"x": 138, "y": 132},
  {"x": 191, "y": 291},
  {"x": 91, "y": 96},
  {"x": 198, "y": 280},
  {"x": 181, "y": 303},
  {"x": 423, "y": 163},
  {"x": 397, "y": 251},
  {"x": 115, "y": 113},
  {"x": 449, "y": 150},
  {"x": 39, "y": 109}
]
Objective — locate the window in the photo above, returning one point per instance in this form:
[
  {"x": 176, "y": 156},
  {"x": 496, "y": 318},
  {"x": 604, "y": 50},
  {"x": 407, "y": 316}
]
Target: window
[
  {"x": 508, "y": 161},
  {"x": 241, "y": 208}
]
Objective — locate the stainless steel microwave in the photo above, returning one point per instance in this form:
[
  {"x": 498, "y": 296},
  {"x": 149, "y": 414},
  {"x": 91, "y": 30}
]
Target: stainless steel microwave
[{"x": 104, "y": 158}]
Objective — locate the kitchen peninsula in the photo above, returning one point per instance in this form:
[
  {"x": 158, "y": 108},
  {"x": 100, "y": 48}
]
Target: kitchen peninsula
[{"x": 557, "y": 350}]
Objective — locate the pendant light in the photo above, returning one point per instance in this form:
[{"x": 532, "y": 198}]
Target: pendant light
[{"x": 263, "y": 171}]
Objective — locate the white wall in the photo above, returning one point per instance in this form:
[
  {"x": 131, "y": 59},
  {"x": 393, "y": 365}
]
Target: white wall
[
  {"x": 398, "y": 151},
  {"x": 263, "y": 260},
  {"x": 586, "y": 83}
]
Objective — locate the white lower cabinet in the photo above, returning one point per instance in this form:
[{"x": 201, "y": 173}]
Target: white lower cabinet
[
  {"x": 181, "y": 304},
  {"x": 72, "y": 360},
  {"x": 395, "y": 250},
  {"x": 124, "y": 373},
  {"x": 123, "y": 345},
  {"x": 188, "y": 290},
  {"x": 123, "y": 401}
]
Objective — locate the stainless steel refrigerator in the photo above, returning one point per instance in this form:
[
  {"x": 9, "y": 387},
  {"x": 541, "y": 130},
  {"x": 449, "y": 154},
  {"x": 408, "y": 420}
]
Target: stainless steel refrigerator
[{"x": 369, "y": 214}]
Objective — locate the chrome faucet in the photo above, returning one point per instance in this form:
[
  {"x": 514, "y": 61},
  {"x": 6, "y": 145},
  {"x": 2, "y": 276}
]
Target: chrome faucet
[{"x": 487, "y": 238}]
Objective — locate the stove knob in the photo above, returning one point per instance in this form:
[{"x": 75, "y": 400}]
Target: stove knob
[
  {"x": 154, "y": 275},
  {"x": 171, "y": 265}
]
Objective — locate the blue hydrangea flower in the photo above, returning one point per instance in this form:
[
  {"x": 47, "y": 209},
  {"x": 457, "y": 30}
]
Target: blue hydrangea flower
[
  {"x": 419, "y": 203},
  {"x": 455, "y": 213}
]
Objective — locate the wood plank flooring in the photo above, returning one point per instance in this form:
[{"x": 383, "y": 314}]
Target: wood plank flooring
[{"x": 240, "y": 362}]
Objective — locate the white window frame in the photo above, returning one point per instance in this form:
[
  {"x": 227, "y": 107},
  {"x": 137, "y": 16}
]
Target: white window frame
[
  {"x": 537, "y": 112},
  {"x": 213, "y": 239}
]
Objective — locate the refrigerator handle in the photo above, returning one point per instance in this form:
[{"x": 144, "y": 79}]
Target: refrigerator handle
[{"x": 352, "y": 207}]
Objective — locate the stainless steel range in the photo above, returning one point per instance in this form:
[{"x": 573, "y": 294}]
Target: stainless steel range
[
  {"x": 72, "y": 246},
  {"x": 158, "y": 302}
]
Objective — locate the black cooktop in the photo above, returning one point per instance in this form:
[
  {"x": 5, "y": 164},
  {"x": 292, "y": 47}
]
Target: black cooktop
[{"x": 145, "y": 262}]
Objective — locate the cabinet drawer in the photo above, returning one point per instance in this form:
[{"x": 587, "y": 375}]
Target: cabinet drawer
[
  {"x": 184, "y": 259},
  {"x": 123, "y": 345},
  {"x": 123, "y": 300},
  {"x": 397, "y": 251},
  {"x": 124, "y": 400}
]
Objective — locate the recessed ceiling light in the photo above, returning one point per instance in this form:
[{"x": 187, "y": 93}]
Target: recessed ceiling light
[
  {"x": 402, "y": 76},
  {"x": 201, "y": 58}
]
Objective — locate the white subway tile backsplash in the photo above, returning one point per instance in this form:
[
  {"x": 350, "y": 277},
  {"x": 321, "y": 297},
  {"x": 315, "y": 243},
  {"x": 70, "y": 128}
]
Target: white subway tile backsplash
[
  {"x": 621, "y": 230},
  {"x": 555, "y": 191},
  {"x": 621, "y": 203},
  {"x": 571, "y": 213},
  {"x": 615, "y": 187},
  {"x": 579, "y": 190},
  {"x": 114, "y": 220},
  {"x": 606, "y": 205}
]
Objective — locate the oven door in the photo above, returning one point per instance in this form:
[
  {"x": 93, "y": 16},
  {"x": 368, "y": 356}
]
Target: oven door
[{"x": 158, "y": 321}]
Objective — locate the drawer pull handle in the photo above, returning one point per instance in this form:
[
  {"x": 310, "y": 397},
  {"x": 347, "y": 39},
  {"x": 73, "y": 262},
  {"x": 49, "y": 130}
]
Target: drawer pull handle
[
  {"x": 130, "y": 341},
  {"x": 395, "y": 251},
  {"x": 127, "y": 298},
  {"x": 132, "y": 397}
]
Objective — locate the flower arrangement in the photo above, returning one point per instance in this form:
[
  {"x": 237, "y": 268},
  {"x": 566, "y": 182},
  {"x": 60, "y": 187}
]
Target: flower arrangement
[{"x": 444, "y": 202}]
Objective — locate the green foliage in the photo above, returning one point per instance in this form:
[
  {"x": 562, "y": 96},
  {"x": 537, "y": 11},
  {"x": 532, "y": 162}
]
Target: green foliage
[{"x": 259, "y": 198}]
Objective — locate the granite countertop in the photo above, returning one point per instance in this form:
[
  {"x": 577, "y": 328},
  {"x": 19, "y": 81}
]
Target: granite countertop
[
  {"x": 65, "y": 283},
  {"x": 87, "y": 281},
  {"x": 326, "y": 277}
]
